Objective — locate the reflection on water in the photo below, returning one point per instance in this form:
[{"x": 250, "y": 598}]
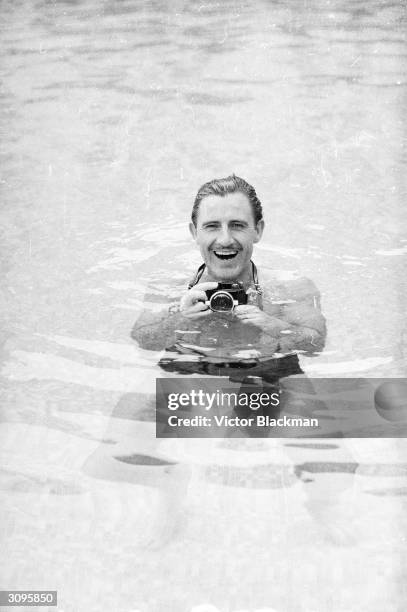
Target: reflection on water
[{"x": 112, "y": 115}]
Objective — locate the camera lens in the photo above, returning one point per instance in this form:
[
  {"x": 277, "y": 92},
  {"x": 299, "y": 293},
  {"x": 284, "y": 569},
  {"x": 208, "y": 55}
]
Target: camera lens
[{"x": 221, "y": 301}]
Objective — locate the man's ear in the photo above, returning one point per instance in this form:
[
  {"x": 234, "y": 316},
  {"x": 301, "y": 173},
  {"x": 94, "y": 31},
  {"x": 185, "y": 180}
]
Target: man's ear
[
  {"x": 192, "y": 230},
  {"x": 259, "y": 230}
]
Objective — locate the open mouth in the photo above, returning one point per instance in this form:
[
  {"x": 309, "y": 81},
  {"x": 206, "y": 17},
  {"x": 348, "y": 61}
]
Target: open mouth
[{"x": 225, "y": 255}]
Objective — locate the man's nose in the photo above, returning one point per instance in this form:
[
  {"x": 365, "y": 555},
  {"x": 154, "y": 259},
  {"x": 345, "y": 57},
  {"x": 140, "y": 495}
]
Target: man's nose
[{"x": 224, "y": 237}]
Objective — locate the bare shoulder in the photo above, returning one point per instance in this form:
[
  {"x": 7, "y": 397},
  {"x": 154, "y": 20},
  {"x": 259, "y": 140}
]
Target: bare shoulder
[{"x": 287, "y": 285}]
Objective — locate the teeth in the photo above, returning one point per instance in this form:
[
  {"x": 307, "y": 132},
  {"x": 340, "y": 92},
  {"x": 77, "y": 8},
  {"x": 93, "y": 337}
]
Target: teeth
[{"x": 225, "y": 255}]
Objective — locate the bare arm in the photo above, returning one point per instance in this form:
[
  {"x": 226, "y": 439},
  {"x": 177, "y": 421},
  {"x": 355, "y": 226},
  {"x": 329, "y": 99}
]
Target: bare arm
[
  {"x": 306, "y": 329},
  {"x": 296, "y": 322},
  {"x": 157, "y": 331}
]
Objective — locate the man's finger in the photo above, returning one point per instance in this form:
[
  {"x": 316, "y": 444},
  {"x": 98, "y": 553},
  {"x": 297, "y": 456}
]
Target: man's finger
[
  {"x": 191, "y": 298},
  {"x": 198, "y": 292},
  {"x": 206, "y": 286},
  {"x": 196, "y": 295},
  {"x": 198, "y": 307}
]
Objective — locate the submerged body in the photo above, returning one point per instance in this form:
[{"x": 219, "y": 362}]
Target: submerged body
[{"x": 285, "y": 319}]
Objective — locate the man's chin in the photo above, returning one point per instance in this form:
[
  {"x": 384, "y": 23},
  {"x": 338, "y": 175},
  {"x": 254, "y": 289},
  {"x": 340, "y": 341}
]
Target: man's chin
[{"x": 225, "y": 273}]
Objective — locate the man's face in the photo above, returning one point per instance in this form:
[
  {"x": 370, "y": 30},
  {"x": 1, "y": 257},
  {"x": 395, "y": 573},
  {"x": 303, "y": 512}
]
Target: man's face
[{"x": 225, "y": 233}]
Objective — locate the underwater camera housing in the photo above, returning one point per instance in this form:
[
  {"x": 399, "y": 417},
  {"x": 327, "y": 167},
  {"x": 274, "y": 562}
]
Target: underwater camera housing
[{"x": 226, "y": 297}]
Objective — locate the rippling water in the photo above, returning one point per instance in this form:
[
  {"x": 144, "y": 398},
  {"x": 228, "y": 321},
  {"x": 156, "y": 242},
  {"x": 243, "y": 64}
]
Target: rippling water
[{"x": 112, "y": 115}]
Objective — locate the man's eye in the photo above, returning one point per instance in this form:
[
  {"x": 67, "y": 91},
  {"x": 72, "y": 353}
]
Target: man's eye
[
  {"x": 238, "y": 225},
  {"x": 211, "y": 226}
]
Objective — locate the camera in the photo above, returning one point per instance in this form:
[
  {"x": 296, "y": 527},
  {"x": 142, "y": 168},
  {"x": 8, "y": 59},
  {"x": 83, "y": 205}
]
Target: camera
[{"x": 226, "y": 297}]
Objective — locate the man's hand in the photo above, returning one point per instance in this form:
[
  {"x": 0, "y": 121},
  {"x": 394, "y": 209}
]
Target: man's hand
[
  {"x": 252, "y": 315},
  {"x": 305, "y": 331},
  {"x": 192, "y": 305}
]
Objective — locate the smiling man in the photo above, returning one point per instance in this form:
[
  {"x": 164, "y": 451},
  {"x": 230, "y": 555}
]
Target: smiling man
[
  {"x": 266, "y": 320},
  {"x": 225, "y": 228}
]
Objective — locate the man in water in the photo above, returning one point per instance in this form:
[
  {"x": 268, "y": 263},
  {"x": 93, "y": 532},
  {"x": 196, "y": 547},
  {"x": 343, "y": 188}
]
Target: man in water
[
  {"x": 260, "y": 336},
  {"x": 259, "y": 339}
]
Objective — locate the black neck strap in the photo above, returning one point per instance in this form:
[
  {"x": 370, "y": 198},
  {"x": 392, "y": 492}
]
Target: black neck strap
[{"x": 201, "y": 270}]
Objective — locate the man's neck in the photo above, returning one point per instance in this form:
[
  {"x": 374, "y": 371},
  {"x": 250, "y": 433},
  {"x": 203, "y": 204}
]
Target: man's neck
[{"x": 246, "y": 276}]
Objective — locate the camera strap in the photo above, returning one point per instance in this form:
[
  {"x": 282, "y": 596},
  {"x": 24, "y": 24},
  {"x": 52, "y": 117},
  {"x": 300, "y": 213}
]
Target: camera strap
[
  {"x": 256, "y": 279},
  {"x": 197, "y": 276},
  {"x": 201, "y": 270}
]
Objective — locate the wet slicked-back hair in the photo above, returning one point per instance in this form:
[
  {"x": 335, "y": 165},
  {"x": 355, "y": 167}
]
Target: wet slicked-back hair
[{"x": 221, "y": 187}]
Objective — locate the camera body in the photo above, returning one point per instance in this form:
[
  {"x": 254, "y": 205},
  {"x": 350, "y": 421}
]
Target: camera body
[{"x": 226, "y": 297}]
